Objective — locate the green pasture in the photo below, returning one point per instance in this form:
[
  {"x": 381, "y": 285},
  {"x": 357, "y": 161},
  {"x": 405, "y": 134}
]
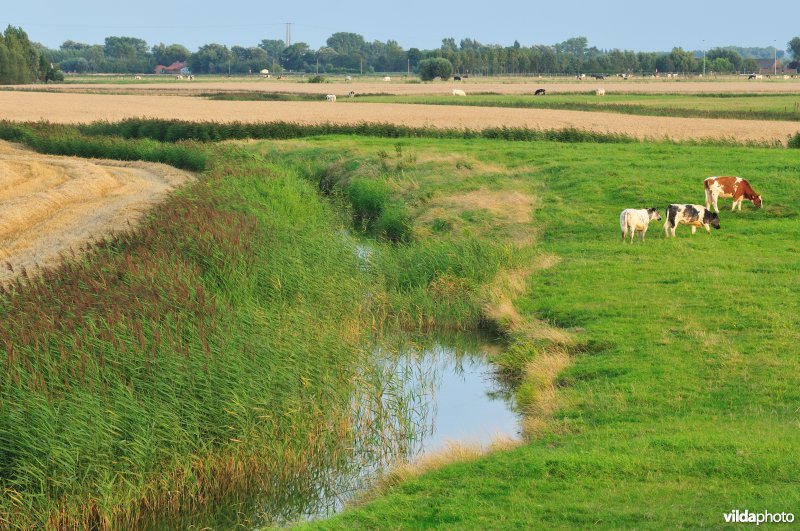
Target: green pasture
[
  {"x": 214, "y": 352},
  {"x": 686, "y": 406},
  {"x": 736, "y": 106}
]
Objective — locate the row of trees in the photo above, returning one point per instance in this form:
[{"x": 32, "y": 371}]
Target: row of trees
[
  {"x": 351, "y": 53},
  {"x": 20, "y": 60}
]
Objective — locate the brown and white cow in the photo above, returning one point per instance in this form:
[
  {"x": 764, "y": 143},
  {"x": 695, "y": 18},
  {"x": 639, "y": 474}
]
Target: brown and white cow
[
  {"x": 693, "y": 215},
  {"x": 736, "y": 187}
]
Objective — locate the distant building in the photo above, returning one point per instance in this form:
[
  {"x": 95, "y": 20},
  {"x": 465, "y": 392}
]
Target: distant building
[
  {"x": 768, "y": 66},
  {"x": 177, "y": 67}
]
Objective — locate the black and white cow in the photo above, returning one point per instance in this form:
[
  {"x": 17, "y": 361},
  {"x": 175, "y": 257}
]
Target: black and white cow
[
  {"x": 694, "y": 215},
  {"x": 540, "y": 92}
]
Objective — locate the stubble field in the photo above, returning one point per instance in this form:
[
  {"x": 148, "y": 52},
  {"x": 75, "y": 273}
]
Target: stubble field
[
  {"x": 73, "y": 108},
  {"x": 51, "y": 205}
]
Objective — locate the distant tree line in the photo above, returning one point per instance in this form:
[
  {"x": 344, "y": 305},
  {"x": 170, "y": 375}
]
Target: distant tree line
[
  {"x": 21, "y": 61},
  {"x": 351, "y": 53}
]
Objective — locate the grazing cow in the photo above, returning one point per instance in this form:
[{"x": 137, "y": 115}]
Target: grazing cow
[
  {"x": 330, "y": 97},
  {"x": 694, "y": 215},
  {"x": 137, "y": 77},
  {"x": 637, "y": 220},
  {"x": 600, "y": 92},
  {"x": 751, "y": 76},
  {"x": 387, "y": 78},
  {"x": 456, "y": 78},
  {"x": 459, "y": 92},
  {"x": 736, "y": 187},
  {"x": 352, "y": 94},
  {"x": 540, "y": 92}
]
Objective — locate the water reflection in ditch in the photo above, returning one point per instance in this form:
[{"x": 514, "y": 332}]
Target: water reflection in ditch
[{"x": 418, "y": 397}]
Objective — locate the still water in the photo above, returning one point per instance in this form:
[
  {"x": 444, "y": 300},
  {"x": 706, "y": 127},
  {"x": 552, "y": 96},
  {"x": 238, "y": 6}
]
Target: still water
[{"x": 423, "y": 395}]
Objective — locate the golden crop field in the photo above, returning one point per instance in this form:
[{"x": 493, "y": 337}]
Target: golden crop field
[{"x": 85, "y": 108}]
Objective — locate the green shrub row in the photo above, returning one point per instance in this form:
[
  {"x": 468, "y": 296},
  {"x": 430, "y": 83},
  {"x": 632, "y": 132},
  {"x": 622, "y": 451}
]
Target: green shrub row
[
  {"x": 175, "y": 130},
  {"x": 67, "y": 140}
]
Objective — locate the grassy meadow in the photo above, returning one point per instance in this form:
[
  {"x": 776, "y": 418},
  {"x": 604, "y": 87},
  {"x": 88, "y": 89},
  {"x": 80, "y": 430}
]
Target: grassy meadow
[
  {"x": 731, "y": 106},
  {"x": 682, "y": 402},
  {"x": 217, "y": 349}
]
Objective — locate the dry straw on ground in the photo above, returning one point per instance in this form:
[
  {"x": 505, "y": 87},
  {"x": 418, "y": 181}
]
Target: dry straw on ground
[{"x": 51, "y": 205}]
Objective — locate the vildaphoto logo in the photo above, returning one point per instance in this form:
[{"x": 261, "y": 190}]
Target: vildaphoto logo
[{"x": 746, "y": 517}]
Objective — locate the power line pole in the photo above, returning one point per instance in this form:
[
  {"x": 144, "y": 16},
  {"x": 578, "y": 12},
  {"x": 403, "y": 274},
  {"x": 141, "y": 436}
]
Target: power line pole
[{"x": 288, "y": 40}]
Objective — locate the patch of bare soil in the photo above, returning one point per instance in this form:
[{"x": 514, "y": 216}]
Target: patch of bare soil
[
  {"x": 506, "y": 211},
  {"x": 51, "y": 205}
]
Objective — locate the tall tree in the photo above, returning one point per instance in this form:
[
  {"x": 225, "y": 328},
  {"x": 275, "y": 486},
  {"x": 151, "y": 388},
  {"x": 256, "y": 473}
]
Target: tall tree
[
  {"x": 793, "y": 47},
  {"x": 211, "y": 59},
  {"x": 166, "y": 55}
]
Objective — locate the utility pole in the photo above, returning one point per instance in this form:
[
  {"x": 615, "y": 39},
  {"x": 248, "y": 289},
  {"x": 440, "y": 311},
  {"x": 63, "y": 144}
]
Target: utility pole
[
  {"x": 288, "y": 40},
  {"x": 774, "y": 59},
  {"x": 704, "y": 58}
]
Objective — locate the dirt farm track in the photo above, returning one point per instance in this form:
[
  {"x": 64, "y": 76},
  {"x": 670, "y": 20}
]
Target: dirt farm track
[{"x": 59, "y": 107}]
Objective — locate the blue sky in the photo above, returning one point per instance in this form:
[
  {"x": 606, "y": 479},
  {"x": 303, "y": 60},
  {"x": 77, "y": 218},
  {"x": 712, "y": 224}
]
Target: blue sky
[{"x": 640, "y": 25}]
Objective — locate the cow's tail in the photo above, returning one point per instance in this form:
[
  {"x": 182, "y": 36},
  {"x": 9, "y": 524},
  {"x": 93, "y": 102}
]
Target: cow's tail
[{"x": 623, "y": 222}]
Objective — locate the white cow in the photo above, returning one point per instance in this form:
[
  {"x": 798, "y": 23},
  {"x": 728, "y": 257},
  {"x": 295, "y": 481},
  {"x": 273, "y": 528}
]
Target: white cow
[
  {"x": 330, "y": 97},
  {"x": 387, "y": 78},
  {"x": 633, "y": 220},
  {"x": 459, "y": 92},
  {"x": 600, "y": 92}
]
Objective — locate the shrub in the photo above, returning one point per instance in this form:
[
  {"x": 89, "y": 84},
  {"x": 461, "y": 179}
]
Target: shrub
[
  {"x": 368, "y": 199},
  {"x": 430, "y": 69},
  {"x": 794, "y": 141}
]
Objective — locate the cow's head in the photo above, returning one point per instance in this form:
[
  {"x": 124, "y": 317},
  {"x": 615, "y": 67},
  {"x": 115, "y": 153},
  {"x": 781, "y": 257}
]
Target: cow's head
[
  {"x": 653, "y": 214},
  {"x": 757, "y": 201},
  {"x": 712, "y": 218}
]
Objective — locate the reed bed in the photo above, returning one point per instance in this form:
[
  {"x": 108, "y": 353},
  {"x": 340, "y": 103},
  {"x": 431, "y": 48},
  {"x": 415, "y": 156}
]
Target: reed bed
[{"x": 211, "y": 350}]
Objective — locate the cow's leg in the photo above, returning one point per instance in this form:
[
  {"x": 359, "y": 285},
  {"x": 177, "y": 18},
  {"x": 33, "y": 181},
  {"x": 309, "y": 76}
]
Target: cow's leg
[
  {"x": 708, "y": 199},
  {"x": 666, "y": 229},
  {"x": 708, "y": 228},
  {"x": 694, "y": 229},
  {"x": 643, "y": 231},
  {"x": 715, "y": 197}
]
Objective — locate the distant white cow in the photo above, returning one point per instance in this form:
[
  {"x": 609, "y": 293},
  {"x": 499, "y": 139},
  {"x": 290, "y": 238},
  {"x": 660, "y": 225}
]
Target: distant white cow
[
  {"x": 459, "y": 92},
  {"x": 637, "y": 220},
  {"x": 387, "y": 79},
  {"x": 600, "y": 92},
  {"x": 330, "y": 97},
  {"x": 137, "y": 77}
]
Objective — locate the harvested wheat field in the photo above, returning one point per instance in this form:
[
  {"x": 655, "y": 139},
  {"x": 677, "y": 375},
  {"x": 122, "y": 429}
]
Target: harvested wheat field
[
  {"x": 85, "y": 108},
  {"x": 51, "y": 205}
]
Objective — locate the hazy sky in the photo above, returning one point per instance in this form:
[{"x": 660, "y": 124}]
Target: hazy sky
[{"x": 640, "y": 25}]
